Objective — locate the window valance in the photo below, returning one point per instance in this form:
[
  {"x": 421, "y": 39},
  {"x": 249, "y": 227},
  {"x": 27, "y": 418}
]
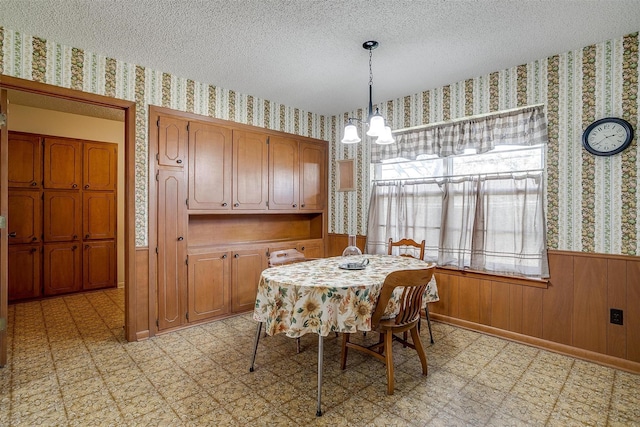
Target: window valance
[{"x": 522, "y": 127}]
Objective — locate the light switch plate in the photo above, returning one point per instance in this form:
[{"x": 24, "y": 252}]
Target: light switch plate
[
  {"x": 3, "y": 222},
  {"x": 3, "y": 324}
]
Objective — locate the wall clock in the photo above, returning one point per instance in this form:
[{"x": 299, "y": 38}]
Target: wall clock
[{"x": 608, "y": 136}]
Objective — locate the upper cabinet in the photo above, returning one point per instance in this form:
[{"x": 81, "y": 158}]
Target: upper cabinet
[
  {"x": 62, "y": 163},
  {"x": 313, "y": 193},
  {"x": 172, "y": 141},
  {"x": 250, "y": 165},
  {"x": 283, "y": 173},
  {"x": 100, "y": 166},
  {"x": 25, "y": 165},
  {"x": 210, "y": 149}
]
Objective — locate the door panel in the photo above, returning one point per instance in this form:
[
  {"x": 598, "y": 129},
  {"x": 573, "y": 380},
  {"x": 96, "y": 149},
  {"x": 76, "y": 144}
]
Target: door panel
[
  {"x": 25, "y": 167},
  {"x": 312, "y": 176},
  {"x": 172, "y": 142},
  {"x": 62, "y": 271},
  {"x": 24, "y": 222},
  {"x": 62, "y": 164},
  {"x": 209, "y": 276},
  {"x": 99, "y": 166},
  {"x": 250, "y": 176},
  {"x": 99, "y": 215},
  {"x": 62, "y": 216},
  {"x": 246, "y": 267},
  {"x": 24, "y": 275},
  {"x": 99, "y": 265},
  {"x": 283, "y": 174}
]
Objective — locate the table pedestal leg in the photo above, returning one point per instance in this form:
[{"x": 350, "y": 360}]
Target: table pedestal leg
[
  {"x": 320, "y": 357},
  {"x": 255, "y": 346}
]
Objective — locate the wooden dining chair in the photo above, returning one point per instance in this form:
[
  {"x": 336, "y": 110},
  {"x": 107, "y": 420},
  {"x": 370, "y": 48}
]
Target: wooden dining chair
[
  {"x": 414, "y": 283},
  {"x": 408, "y": 248}
]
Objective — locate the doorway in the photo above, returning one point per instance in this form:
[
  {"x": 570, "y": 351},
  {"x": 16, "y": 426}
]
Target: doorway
[{"x": 83, "y": 103}]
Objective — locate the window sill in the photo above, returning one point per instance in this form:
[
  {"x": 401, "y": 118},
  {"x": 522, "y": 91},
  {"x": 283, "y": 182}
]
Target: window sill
[{"x": 483, "y": 275}]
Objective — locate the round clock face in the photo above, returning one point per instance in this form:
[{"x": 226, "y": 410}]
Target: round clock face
[{"x": 608, "y": 136}]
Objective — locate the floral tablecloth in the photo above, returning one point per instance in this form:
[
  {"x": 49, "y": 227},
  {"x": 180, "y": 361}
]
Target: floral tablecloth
[{"x": 317, "y": 296}]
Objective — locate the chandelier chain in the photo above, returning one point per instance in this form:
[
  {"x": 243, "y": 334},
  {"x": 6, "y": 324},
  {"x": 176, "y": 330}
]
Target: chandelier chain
[{"x": 370, "y": 69}]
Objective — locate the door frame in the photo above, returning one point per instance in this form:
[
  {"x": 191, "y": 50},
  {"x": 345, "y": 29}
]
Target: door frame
[{"x": 129, "y": 109}]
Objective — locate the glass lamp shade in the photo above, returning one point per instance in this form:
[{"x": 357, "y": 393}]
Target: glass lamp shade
[
  {"x": 352, "y": 249},
  {"x": 350, "y": 134},
  {"x": 385, "y": 137},
  {"x": 376, "y": 125}
]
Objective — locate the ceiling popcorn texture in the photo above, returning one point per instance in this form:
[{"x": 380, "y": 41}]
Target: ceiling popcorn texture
[{"x": 309, "y": 55}]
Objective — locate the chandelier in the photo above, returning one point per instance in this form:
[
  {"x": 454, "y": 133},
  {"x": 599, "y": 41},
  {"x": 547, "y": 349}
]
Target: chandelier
[{"x": 375, "y": 122}]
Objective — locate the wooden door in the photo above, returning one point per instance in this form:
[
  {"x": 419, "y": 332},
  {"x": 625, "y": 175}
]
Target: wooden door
[
  {"x": 24, "y": 221},
  {"x": 312, "y": 176},
  {"x": 246, "y": 267},
  {"x": 250, "y": 171},
  {"x": 99, "y": 166},
  {"x": 62, "y": 163},
  {"x": 62, "y": 268},
  {"x": 172, "y": 268},
  {"x": 283, "y": 174},
  {"x": 210, "y": 149},
  {"x": 25, "y": 161},
  {"x": 62, "y": 216},
  {"x": 99, "y": 215},
  {"x": 209, "y": 283},
  {"x": 99, "y": 265},
  {"x": 24, "y": 275},
  {"x": 172, "y": 141},
  {"x": 311, "y": 248}
]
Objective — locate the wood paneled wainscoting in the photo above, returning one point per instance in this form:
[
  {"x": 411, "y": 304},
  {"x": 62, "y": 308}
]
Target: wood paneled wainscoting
[{"x": 569, "y": 313}]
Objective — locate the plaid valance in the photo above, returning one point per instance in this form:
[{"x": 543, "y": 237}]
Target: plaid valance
[{"x": 522, "y": 127}]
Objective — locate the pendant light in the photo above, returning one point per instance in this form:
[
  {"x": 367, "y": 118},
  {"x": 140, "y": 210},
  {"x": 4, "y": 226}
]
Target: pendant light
[{"x": 376, "y": 123}]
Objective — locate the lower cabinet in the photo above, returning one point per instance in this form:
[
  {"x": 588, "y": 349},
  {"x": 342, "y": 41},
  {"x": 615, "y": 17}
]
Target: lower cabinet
[
  {"x": 62, "y": 268},
  {"x": 208, "y": 285},
  {"x": 246, "y": 267},
  {"x": 99, "y": 265},
  {"x": 24, "y": 276}
]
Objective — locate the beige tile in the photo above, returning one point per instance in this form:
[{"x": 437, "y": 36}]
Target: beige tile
[
  {"x": 580, "y": 412},
  {"x": 523, "y": 410},
  {"x": 469, "y": 410}
]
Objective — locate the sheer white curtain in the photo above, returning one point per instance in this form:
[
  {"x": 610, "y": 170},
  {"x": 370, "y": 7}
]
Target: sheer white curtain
[{"x": 487, "y": 223}]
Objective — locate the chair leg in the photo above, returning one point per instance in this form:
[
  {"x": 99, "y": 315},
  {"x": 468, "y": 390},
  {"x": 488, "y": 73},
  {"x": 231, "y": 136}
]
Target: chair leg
[
  {"x": 426, "y": 311},
  {"x": 388, "y": 342},
  {"x": 298, "y": 345},
  {"x": 343, "y": 353},
  {"x": 418, "y": 344},
  {"x": 255, "y": 346}
]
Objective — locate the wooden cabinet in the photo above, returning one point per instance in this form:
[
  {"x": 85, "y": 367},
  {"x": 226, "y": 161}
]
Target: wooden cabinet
[
  {"x": 313, "y": 176},
  {"x": 62, "y": 216},
  {"x": 250, "y": 166},
  {"x": 208, "y": 282},
  {"x": 210, "y": 149},
  {"x": 25, "y": 165},
  {"x": 62, "y": 163},
  {"x": 172, "y": 141},
  {"x": 311, "y": 248},
  {"x": 99, "y": 166},
  {"x": 172, "y": 268},
  {"x": 246, "y": 267},
  {"x": 98, "y": 215},
  {"x": 99, "y": 265},
  {"x": 283, "y": 174},
  {"x": 24, "y": 219},
  {"x": 24, "y": 276},
  {"x": 62, "y": 268}
]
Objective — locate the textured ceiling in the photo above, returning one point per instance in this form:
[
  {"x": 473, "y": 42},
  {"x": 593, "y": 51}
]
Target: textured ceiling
[{"x": 308, "y": 53}]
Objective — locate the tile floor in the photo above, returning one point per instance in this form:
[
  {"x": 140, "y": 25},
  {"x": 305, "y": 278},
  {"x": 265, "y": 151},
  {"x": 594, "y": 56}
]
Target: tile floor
[{"x": 70, "y": 365}]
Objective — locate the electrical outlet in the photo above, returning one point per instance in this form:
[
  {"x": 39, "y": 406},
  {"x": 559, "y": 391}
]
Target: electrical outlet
[{"x": 615, "y": 316}]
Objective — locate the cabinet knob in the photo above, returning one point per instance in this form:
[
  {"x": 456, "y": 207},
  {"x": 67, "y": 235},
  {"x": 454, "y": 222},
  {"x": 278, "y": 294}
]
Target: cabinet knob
[
  {"x": 295, "y": 206},
  {"x": 74, "y": 186},
  {"x": 75, "y": 236},
  {"x": 236, "y": 256},
  {"x": 236, "y": 204},
  {"x": 224, "y": 256},
  {"x": 32, "y": 250},
  {"x": 13, "y": 234},
  {"x": 179, "y": 161},
  {"x": 74, "y": 247},
  {"x": 33, "y": 184},
  {"x": 34, "y": 239},
  {"x": 302, "y": 205},
  {"x": 86, "y": 186},
  {"x": 86, "y": 236},
  {"x": 86, "y": 246},
  {"x": 224, "y": 205},
  {"x": 302, "y": 248},
  {"x": 180, "y": 239}
]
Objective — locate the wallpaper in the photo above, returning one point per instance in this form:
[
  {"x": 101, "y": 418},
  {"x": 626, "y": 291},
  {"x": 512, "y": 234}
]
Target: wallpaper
[{"x": 592, "y": 202}]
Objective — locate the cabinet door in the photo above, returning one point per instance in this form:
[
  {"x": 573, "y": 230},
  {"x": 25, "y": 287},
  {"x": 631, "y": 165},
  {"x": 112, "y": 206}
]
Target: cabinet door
[
  {"x": 62, "y": 269},
  {"x": 62, "y": 163},
  {"x": 99, "y": 265},
  {"x": 24, "y": 219},
  {"x": 25, "y": 161},
  {"x": 24, "y": 275},
  {"x": 172, "y": 141},
  {"x": 246, "y": 267},
  {"x": 312, "y": 176},
  {"x": 62, "y": 216},
  {"x": 99, "y": 215},
  {"x": 172, "y": 268},
  {"x": 210, "y": 149},
  {"x": 208, "y": 278},
  {"x": 283, "y": 174},
  {"x": 99, "y": 166},
  {"x": 311, "y": 248},
  {"x": 250, "y": 165}
]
